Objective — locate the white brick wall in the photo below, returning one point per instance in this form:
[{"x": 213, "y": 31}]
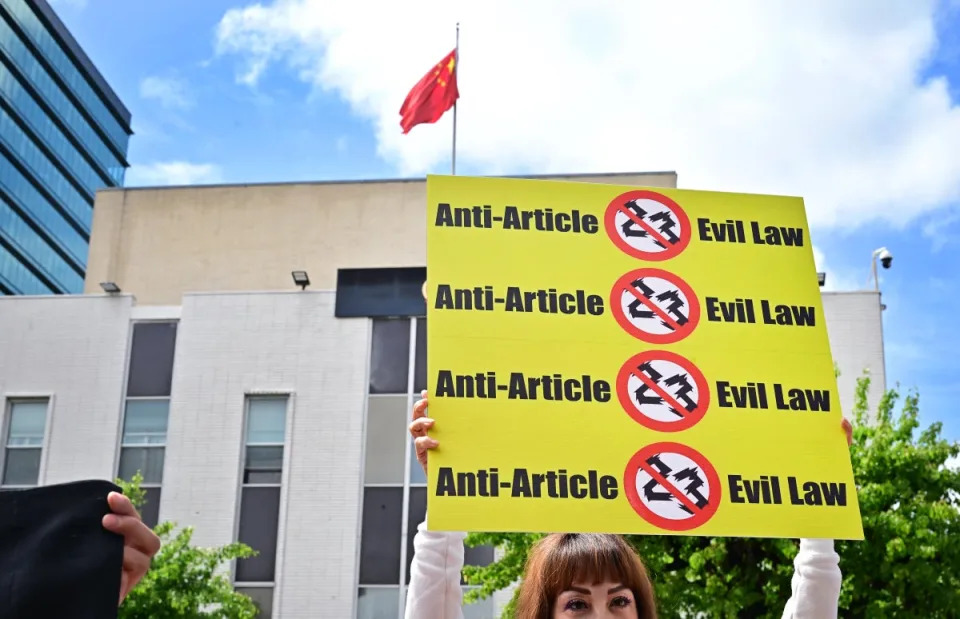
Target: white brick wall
[
  {"x": 232, "y": 344},
  {"x": 72, "y": 349},
  {"x": 855, "y": 330}
]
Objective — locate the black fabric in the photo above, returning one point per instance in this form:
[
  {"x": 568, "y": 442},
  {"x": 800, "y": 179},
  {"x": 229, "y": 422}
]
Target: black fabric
[{"x": 56, "y": 559}]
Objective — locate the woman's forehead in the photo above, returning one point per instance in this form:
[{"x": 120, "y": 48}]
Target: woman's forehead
[{"x": 605, "y": 584}]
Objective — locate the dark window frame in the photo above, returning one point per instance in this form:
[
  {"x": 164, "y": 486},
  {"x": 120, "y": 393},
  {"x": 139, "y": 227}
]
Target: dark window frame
[
  {"x": 6, "y": 422},
  {"x": 244, "y": 568},
  {"x": 149, "y": 375},
  {"x": 264, "y": 613},
  {"x": 389, "y": 370},
  {"x": 150, "y": 512},
  {"x": 381, "y": 535}
]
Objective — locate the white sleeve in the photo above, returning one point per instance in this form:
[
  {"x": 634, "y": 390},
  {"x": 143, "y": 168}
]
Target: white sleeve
[
  {"x": 816, "y": 581},
  {"x": 434, "y": 591}
]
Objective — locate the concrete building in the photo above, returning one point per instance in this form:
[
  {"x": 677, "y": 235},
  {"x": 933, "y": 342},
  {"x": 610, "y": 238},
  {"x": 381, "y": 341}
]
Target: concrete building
[
  {"x": 63, "y": 136},
  {"x": 258, "y": 411},
  {"x": 159, "y": 243}
]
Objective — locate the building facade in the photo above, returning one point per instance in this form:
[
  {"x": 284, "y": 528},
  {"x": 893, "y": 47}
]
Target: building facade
[
  {"x": 261, "y": 417},
  {"x": 257, "y": 411},
  {"x": 63, "y": 136},
  {"x": 253, "y": 416}
]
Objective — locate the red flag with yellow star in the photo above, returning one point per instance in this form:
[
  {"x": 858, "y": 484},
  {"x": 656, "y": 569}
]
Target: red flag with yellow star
[{"x": 433, "y": 95}]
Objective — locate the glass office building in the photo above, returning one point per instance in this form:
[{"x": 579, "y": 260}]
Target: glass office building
[{"x": 63, "y": 135}]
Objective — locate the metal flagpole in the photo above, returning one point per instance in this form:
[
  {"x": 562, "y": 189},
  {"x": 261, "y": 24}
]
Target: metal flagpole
[{"x": 456, "y": 68}]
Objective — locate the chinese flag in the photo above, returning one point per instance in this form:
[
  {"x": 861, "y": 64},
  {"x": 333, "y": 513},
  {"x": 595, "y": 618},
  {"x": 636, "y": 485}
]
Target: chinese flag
[{"x": 433, "y": 95}]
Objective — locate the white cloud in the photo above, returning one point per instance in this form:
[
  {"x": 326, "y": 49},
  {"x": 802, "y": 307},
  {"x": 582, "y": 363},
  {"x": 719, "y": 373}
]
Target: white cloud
[
  {"x": 953, "y": 463},
  {"x": 941, "y": 229},
  {"x": 171, "y": 92},
  {"x": 173, "y": 173},
  {"x": 342, "y": 144},
  {"x": 836, "y": 279},
  {"x": 820, "y": 99}
]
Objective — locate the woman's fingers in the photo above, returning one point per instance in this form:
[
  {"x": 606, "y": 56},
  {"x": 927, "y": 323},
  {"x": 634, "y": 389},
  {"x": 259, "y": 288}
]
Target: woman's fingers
[
  {"x": 423, "y": 443},
  {"x": 421, "y": 423},
  {"x": 848, "y": 430},
  {"x": 126, "y": 521},
  {"x": 121, "y": 505},
  {"x": 134, "y": 560},
  {"x": 135, "y": 566},
  {"x": 420, "y": 426},
  {"x": 139, "y": 542},
  {"x": 420, "y": 409}
]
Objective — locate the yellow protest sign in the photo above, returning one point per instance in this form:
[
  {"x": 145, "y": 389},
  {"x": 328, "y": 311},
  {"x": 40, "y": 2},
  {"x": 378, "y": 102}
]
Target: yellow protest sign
[{"x": 615, "y": 359}]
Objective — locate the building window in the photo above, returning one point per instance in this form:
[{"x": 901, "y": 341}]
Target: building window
[
  {"x": 142, "y": 449},
  {"x": 151, "y": 359},
  {"x": 390, "y": 357},
  {"x": 265, "y": 432},
  {"x": 392, "y": 476},
  {"x": 26, "y": 422},
  {"x": 146, "y": 410},
  {"x": 262, "y": 598}
]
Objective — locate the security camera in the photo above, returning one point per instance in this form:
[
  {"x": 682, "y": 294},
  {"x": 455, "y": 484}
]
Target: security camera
[{"x": 886, "y": 258}]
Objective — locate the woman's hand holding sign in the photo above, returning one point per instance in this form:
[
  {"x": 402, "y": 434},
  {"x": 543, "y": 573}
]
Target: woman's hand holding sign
[
  {"x": 419, "y": 427},
  {"x": 140, "y": 544}
]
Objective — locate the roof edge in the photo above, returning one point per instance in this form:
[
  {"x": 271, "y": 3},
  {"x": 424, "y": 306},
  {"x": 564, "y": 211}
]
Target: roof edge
[
  {"x": 360, "y": 181},
  {"x": 864, "y": 291}
]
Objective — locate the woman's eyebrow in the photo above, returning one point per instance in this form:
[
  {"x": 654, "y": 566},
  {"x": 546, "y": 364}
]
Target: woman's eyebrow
[
  {"x": 617, "y": 589},
  {"x": 578, "y": 590}
]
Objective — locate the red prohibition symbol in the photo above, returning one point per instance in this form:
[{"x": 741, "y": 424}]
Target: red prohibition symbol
[
  {"x": 647, "y": 225},
  {"x": 655, "y": 306},
  {"x": 663, "y": 391},
  {"x": 672, "y": 486}
]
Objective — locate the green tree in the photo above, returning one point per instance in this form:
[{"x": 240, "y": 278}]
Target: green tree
[
  {"x": 184, "y": 581},
  {"x": 909, "y": 565}
]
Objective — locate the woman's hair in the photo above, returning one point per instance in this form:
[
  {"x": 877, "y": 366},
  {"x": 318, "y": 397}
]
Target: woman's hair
[{"x": 559, "y": 560}]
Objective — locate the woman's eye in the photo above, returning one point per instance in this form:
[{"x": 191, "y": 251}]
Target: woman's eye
[
  {"x": 621, "y": 601},
  {"x": 576, "y": 605}
]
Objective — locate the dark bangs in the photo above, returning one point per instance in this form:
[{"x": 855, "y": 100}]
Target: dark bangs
[{"x": 590, "y": 558}]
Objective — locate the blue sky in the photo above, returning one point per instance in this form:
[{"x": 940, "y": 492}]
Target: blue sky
[{"x": 852, "y": 105}]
